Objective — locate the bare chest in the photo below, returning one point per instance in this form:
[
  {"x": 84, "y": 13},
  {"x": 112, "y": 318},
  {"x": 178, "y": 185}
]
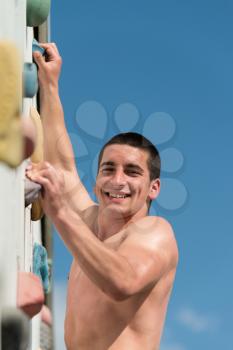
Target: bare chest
[
  {"x": 83, "y": 294},
  {"x": 92, "y": 314}
]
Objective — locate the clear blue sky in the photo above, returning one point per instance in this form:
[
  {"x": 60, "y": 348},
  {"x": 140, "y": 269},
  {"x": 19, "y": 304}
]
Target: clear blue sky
[{"x": 168, "y": 65}]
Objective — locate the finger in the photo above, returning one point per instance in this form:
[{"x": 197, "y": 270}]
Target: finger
[
  {"x": 46, "y": 44},
  {"x": 46, "y": 172},
  {"x": 31, "y": 166},
  {"x": 39, "y": 59},
  {"x": 50, "y": 55},
  {"x": 50, "y": 45},
  {"x": 44, "y": 182},
  {"x": 55, "y": 47},
  {"x": 51, "y": 52}
]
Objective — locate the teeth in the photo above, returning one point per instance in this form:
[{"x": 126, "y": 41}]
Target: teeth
[{"x": 117, "y": 195}]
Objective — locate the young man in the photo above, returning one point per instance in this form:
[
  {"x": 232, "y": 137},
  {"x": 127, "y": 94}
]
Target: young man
[{"x": 124, "y": 260}]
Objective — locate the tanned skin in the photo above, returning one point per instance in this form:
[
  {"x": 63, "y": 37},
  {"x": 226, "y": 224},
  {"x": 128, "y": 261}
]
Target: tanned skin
[{"x": 124, "y": 261}]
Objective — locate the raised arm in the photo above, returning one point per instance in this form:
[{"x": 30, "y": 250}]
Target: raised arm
[
  {"x": 57, "y": 146},
  {"x": 148, "y": 252}
]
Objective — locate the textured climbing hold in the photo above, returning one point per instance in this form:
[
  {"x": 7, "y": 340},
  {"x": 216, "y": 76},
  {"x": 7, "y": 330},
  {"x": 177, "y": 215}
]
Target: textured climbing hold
[
  {"x": 30, "y": 79},
  {"x": 36, "y": 47},
  {"x": 46, "y": 336},
  {"x": 11, "y": 142},
  {"x": 37, "y": 12},
  {"x": 46, "y": 332},
  {"x": 15, "y": 328},
  {"x": 30, "y": 295},
  {"x": 40, "y": 265},
  {"x": 37, "y": 157},
  {"x": 31, "y": 191}
]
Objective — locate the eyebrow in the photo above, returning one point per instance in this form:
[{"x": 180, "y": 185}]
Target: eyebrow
[
  {"x": 107, "y": 163},
  {"x": 128, "y": 166}
]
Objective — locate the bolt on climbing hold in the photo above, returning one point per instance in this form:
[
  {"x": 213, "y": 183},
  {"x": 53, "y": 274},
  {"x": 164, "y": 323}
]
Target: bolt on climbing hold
[
  {"x": 36, "y": 47},
  {"x": 11, "y": 140},
  {"x": 30, "y": 80}
]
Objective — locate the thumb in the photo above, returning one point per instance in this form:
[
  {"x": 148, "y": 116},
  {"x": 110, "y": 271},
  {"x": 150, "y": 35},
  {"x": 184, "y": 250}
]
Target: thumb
[{"x": 39, "y": 59}]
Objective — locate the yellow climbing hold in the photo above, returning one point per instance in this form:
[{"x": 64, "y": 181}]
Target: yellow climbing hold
[{"x": 11, "y": 141}]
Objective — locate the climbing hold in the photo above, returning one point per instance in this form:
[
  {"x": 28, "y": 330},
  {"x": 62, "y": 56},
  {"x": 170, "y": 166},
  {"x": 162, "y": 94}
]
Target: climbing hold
[
  {"x": 31, "y": 191},
  {"x": 36, "y": 210},
  {"x": 40, "y": 265},
  {"x": 46, "y": 332},
  {"x": 30, "y": 79},
  {"x": 37, "y": 12},
  {"x": 15, "y": 328},
  {"x": 46, "y": 336},
  {"x": 30, "y": 294},
  {"x": 11, "y": 142},
  {"x": 36, "y": 47},
  {"x": 29, "y": 136},
  {"x": 37, "y": 157}
]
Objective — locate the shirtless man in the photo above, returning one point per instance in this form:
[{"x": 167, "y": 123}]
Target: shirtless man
[{"x": 124, "y": 260}]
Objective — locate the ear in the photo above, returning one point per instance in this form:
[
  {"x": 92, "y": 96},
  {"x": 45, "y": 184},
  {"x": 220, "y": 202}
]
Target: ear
[{"x": 154, "y": 189}]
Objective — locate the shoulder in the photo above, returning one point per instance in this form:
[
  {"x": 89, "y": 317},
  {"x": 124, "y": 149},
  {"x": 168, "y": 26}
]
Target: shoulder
[
  {"x": 153, "y": 225},
  {"x": 157, "y": 233}
]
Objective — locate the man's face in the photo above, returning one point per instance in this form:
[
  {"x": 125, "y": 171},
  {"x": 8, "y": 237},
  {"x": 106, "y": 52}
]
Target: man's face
[{"x": 123, "y": 182}]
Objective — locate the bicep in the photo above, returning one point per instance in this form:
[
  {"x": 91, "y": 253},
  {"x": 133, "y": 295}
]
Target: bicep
[{"x": 150, "y": 257}]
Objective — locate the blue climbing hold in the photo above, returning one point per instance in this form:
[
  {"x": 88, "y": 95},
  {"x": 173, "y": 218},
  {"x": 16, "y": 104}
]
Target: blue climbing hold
[
  {"x": 40, "y": 265},
  {"x": 36, "y": 47},
  {"x": 30, "y": 80}
]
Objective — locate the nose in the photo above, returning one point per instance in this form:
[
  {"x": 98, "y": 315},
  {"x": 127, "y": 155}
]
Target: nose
[{"x": 118, "y": 178}]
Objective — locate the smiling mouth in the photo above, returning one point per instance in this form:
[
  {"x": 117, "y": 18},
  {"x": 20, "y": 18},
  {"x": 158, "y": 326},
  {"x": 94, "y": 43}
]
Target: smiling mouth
[{"x": 116, "y": 195}]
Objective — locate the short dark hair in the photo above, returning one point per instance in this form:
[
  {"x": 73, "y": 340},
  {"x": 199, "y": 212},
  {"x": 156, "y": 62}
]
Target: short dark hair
[{"x": 138, "y": 141}]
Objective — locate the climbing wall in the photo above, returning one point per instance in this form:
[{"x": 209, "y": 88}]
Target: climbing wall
[{"x": 22, "y": 229}]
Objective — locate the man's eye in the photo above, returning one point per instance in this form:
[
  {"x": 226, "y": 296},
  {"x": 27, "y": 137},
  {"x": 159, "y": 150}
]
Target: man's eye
[
  {"x": 133, "y": 172},
  {"x": 107, "y": 170}
]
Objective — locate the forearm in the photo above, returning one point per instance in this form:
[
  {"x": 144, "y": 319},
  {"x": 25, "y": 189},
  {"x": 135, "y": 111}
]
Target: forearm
[
  {"x": 104, "y": 266},
  {"x": 57, "y": 146}
]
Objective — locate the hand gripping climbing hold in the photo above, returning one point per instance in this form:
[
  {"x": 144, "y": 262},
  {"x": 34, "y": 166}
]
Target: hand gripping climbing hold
[
  {"x": 31, "y": 191},
  {"x": 36, "y": 47},
  {"x": 11, "y": 142},
  {"x": 30, "y": 79},
  {"x": 37, "y": 12}
]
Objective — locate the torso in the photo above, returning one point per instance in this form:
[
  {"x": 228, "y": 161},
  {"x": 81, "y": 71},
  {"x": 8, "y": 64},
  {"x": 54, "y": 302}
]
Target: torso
[{"x": 95, "y": 321}]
